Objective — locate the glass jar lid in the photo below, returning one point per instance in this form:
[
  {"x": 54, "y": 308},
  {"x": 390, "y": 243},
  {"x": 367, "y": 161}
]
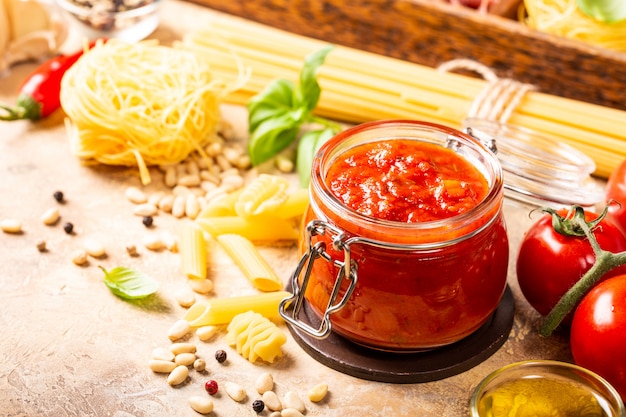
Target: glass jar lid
[{"x": 538, "y": 170}]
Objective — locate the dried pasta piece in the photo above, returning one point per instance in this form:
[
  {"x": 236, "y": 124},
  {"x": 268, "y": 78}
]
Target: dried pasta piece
[
  {"x": 262, "y": 196},
  {"x": 295, "y": 205},
  {"x": 220, "y": 206},
  {"x": 222, "y": 310},
  {"x": 255, "y": 229},
  {"x": 193, "y": 251},
  {"x": 255, "y": 337},
  {"x": 246, "y": 256}
]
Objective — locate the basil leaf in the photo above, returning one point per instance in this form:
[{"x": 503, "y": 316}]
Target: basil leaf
[
  {"x": 277, "y": 97},
  {"x": 129, "y": 284},
  {"x": 309, "y": 89},
  {"x": 272, "y": 136},
  {"x": 308, "y": 146},
  {"x": 608, "y": 11}
]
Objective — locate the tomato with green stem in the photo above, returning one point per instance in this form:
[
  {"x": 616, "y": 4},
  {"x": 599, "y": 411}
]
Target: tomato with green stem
[
  {"x": 561, "y": 248},
  {"x": 598, "y": 332}
]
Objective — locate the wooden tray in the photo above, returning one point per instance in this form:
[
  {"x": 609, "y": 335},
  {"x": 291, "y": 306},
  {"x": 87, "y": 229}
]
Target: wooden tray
[{"x": 431, "y": 33}]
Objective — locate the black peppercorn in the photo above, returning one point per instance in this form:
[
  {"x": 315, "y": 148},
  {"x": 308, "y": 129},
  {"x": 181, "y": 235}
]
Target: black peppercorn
[
  {"x": 68, "y": 227},
  {"x": 58, "y": 196},
  {"x": 220, "y": 356},
  {"x": 147, "y": 221},
  {"x": 258, "y": 406}
]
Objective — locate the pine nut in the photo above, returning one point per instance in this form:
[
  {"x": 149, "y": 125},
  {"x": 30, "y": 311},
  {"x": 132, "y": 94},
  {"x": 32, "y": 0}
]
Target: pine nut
[
  {"x": 160, "y": 366},
  {"x": 205, "y": 333},
  {"x": 231, "y": 154},
  {"x": 185, "y": 297},
  {"x": 186, "y": 359},
  {"x": 206, "y": 175},
  {"x": 178, "y": 209},
  {"x": 274, "y": 414},
  {"x": 192, "y": 207},
  {"x": 166, "y": 203},
  {"x": 201, "y": 404},
  {"x": 181, "y": 190},
  {"x": 291, "y": 412},
  {"x": 182, "y": 347},
  {"x": 179, "y": 330},
  {"x": 192, "y": 167},
  {"x": 214, "y": 149},
  {"x": 243, "y": 162},
  {"x": 153, "y": 242},
  {"x": 170, "y": 242},
  {"x": 11, "y": 226},
  {"x": 284, "y": 164},
  {"x": 162, "y": 354},
  {"x": 50, "y": 216},
  {"x": 264, "y": 383},
  {"x": 135, "y": 195},
  {"x": 271, "y": 400},
  {"x": 318, "y": 392},
  {"x": 293, "y": 400},
  {"x": 201, "y": 286},
  {"x": 233, "y": 181},
  {"x": 208, "y": 186},
  {"x": 145, "y": 209},
  {"x": 94, "y": 248},
  {"x": 235, "y": 391},
  {"x": 154, "y": 198},
  {"x": 199, "y": 365},
  {"x": 189, "y": 180},
  {"x": 178, "y": 375},
  {"x": 222, "y": 162},
  {"x": 79, "y": 257},
  {"x": 171, "y": 176}
]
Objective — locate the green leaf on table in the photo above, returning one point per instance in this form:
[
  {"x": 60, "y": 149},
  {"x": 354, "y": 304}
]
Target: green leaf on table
[
  {"x": 129, "y": 284},
  {"x": 308, "y": 146},
  {"x": 607, "y": 11}
]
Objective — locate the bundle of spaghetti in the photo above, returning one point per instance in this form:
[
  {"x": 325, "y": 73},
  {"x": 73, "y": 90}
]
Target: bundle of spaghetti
[
  {"x": 564, "y": 18},
  {"x": 359, "y": 86},
  {"x": 141, "y": 104}
]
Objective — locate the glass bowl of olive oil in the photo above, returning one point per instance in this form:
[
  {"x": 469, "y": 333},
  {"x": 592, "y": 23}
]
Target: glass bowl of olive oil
[{"x": 545, "y": 388}]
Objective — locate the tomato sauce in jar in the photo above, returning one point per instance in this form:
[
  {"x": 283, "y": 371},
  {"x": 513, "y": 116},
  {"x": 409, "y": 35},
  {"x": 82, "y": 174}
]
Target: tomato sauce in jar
[{"x": 418, "y": 210}]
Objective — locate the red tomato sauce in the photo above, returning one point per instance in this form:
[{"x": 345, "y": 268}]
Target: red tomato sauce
[
  {"x": 410, "y": 299},
  {"x": 406, "y": 181}
]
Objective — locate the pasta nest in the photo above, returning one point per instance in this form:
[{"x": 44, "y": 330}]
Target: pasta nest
[{"x": 141, "y": 104}]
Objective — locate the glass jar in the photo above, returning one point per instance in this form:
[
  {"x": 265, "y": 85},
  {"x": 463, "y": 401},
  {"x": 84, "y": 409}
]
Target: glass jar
[
  {"x": 393, "y": 285},
  {"x": 545, "y": 388}
]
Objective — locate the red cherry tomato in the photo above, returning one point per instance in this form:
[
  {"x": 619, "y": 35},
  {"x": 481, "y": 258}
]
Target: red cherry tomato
[
  {"x": 598, "y": 332},
  {"x": 549, "y": 263},
  {"x": 616, "y": 190}
]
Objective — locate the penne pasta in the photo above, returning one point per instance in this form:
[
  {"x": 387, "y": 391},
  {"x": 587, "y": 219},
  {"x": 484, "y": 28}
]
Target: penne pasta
[
  {"x": 223, "y": 310},
  {"x": 246, "y": 256},
  {"x": 256, "y": 230},
  {"x": 193, "y": 251}
]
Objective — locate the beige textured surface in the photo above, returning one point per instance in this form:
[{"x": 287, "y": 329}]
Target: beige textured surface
[{"x": 70, "y": 348}]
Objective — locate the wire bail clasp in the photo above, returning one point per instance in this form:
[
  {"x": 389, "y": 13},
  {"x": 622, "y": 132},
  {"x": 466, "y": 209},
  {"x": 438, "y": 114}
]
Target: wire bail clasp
[{"x": 290, "y": 308}]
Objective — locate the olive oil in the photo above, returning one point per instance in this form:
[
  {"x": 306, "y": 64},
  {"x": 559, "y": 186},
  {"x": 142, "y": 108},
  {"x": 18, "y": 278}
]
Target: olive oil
[{"x": 540, "y": 397}]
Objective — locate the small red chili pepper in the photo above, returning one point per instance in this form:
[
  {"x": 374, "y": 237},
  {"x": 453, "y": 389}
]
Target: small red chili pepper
[{"x": 39, "y": 93}]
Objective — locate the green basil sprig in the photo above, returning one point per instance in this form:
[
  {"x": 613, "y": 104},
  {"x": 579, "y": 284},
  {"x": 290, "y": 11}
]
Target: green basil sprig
[
  {"x": 128, "y": 283},
  {"x": 278, "y": 113}
]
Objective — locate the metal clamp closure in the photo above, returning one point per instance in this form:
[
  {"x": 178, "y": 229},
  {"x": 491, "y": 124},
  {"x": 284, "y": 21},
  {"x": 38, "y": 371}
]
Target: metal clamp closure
[{"x": 290, "y": 308}]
